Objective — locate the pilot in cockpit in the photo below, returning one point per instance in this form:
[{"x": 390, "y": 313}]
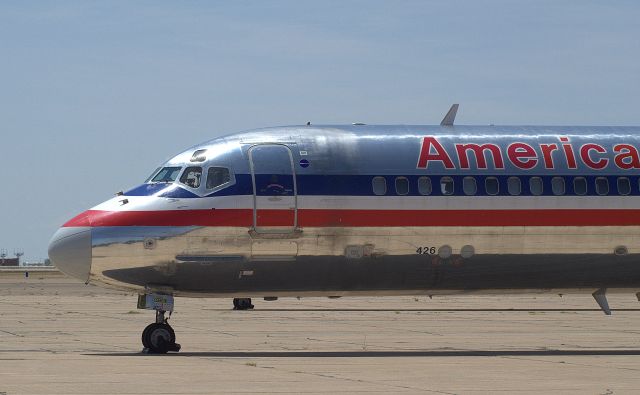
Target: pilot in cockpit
[
  {"x": 193, "y": 180},
  {"x": 191, "y": 177}
]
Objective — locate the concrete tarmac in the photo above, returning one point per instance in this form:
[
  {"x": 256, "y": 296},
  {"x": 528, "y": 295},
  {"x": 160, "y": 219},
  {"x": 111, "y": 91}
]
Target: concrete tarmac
[{"x": 58, "y": 336}]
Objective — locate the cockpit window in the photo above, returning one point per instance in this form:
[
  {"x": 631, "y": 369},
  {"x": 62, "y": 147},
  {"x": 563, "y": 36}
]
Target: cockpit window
[
  {"x": 152, "y": 174},
  {"x": 191, "y": 176},
  {"x": 199, "y": 156},
  {"x": 217, "y": 176},
  {"x": 167, "y": 174}
]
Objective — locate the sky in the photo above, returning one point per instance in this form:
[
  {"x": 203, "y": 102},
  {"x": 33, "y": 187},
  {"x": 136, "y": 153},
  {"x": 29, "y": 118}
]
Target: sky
[{"x": 95, "y": 95}]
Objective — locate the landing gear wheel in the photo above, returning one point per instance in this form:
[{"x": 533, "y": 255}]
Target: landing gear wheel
[
  {"x": 242, "y": 304},
  {"x": 145, "y": 336},
  {"x": 159, "y": 338}
]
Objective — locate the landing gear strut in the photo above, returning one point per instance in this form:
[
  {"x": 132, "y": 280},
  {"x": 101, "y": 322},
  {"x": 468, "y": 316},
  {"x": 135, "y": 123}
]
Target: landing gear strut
[
  {"x": 242, "y": 304},
  {"x": 159, "y": 337}
]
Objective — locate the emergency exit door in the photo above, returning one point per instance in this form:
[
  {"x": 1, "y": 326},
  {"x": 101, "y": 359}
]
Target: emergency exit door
[{"x": 274, "y": 189}]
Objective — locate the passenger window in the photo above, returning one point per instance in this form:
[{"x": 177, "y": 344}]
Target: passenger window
[
  {"x": 535, "y": 185},
  {"x": 217, "y": 176},
  {"x": 491, "y": 185},
  {"x": 514, "y": 185},
  {"x": 580, "y": 186},
  {"x": 602, "y": 186},
  {"x": 167, "y": 174},
  {"x": 446, "y": 185},
  {"x": 469, "y": 186},
  {"x": 624, "y": 186},
  {"x": 402, "y": 186},
  {"x": 191, "y": 176},
  {"x": 424, "y": 185},
  {"x": 557, "y": 185},
  {"x": 379, "y": 185}
]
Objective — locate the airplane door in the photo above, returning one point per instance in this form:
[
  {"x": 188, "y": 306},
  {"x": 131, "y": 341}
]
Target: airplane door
[{"x": 274, "y": 189}]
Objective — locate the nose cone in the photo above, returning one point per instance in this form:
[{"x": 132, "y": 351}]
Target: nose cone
[{"x": 70, "y": 251}]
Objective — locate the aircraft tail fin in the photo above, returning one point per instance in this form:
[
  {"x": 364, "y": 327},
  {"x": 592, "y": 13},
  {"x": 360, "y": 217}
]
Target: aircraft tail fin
[{"x": 450, "y": 117}]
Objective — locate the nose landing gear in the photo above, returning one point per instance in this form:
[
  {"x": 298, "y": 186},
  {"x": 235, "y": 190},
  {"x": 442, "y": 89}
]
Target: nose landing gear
[{"x": 159, "y": 337}]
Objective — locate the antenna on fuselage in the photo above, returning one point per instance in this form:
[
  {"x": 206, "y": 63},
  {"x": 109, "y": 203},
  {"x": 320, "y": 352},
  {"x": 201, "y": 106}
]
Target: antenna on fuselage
[{"x": 450, "y": 117}]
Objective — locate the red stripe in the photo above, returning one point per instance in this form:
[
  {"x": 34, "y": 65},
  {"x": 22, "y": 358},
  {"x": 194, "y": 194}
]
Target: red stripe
[
  {"x": 469, "y": 217},
  {"x": 358, "y": 218},
  {"x": 79, "y": 220},
  {"x": 242, "y": 218}
]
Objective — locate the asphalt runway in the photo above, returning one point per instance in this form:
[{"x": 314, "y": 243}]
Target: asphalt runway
[{"x": 58, "y": 336}]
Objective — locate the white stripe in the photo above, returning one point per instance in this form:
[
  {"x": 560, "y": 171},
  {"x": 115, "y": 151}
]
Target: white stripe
[
  {"x": 152, "y": 203},
  {"x": 468, "y": 202}
]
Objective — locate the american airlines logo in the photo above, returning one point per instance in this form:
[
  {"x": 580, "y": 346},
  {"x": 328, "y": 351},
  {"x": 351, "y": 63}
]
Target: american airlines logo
[{"x": 528, "y": 156}]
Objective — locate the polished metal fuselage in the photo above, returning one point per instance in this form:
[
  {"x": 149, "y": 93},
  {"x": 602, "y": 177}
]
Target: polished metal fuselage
[{"x": 326, "y": 232}]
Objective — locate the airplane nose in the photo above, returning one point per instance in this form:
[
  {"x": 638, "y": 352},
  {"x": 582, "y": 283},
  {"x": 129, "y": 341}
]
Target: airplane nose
[{"x": 70, "y": 251}]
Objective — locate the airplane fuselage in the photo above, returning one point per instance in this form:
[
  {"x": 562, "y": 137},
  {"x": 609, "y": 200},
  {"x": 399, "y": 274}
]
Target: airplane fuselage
[{"x": 374, "y": 210}]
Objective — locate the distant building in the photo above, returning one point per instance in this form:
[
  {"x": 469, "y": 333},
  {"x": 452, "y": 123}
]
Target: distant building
[{"x": 9, "y": 261}]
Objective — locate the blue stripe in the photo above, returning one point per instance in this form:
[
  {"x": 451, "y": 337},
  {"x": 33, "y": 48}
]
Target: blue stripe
[
  {"x": 361, "y": 185},
  {"x": 243, "y": 186},
  {"x": 161, "y": 190}
]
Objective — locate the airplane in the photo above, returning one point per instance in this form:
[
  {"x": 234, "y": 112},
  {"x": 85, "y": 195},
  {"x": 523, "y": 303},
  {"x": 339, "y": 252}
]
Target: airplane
[{"x": 358, "y": 209}]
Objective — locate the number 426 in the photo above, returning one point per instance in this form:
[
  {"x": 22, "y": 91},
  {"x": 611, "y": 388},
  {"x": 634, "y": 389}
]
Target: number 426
[{"x": 426, "y": 250}]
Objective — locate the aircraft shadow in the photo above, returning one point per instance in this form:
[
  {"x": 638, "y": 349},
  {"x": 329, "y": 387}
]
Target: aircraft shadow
[
  {"x": 384, "y": 354},
  {"x": 426, "y": 310}
]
